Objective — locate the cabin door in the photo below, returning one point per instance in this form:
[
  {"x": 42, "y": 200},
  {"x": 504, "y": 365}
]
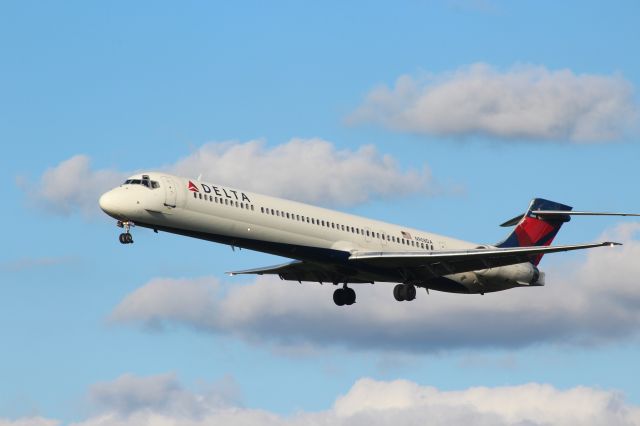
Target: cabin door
[{"x": 169, "y": 191}]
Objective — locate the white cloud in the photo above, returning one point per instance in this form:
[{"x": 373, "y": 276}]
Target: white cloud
[
  {"x": 524, "y": 102},
  {"x": 71, "y": 186},
  {"x": 308, "y": 170},
  {"x": 30, "y": 263},
  {"x": 370, "y": 402},
  {"x": 29, "y": 421},
  {"x": 593, "y": 302},
  {"x": 165, "y": 300},
  {"x": 161, "y": 394}
]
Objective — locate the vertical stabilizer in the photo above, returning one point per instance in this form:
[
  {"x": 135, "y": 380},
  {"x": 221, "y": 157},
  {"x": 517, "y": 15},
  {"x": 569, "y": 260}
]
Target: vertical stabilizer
[{"x": 536, "y": 230}]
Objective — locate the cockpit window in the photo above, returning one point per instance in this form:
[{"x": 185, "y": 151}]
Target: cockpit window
[{"x": 145, "y": 181}]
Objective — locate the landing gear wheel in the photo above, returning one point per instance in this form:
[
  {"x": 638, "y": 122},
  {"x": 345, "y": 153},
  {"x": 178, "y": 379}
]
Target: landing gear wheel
[
  {"x": 410, "y": 292},
  {"x": 398, "y": 292},
  {"x": 339, "y": 297},
  {"x": 344, "y": 296},
  {"x": 125, "y": 238},
  {"x": 351, "y": 296},
  {"x": 404, "y": 292}
]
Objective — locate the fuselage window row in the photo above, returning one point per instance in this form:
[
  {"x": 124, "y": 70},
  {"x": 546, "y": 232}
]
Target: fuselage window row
[
  {"x": 224, "y": 201},
  {"x": 314, "y": 221},
  {"x": 353, "y": 230}
]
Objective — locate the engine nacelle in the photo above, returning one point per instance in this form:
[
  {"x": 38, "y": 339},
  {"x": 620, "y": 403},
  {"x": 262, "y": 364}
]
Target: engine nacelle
[{"x": 522, "y": 273}]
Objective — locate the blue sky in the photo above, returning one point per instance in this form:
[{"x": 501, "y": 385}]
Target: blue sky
[{"x": 95, "y": 91}]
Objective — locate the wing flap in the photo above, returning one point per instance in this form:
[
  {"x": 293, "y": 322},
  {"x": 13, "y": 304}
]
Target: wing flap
[{"x": 307, "y": 271}]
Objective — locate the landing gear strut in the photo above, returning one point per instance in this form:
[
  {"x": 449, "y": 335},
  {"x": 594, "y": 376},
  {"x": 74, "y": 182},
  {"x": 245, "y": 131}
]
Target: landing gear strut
[
  {"x": 344, "y": 296},
  {"x": 404, "y": 292},
  {"x": 125, "y": 237}
]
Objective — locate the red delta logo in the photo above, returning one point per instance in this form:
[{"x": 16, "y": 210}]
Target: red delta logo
[{"x": 193, "y": 187}]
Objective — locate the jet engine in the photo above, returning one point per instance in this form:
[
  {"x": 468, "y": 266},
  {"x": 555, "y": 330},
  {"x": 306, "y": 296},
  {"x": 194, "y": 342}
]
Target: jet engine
[{"x": 522, "y": 273}]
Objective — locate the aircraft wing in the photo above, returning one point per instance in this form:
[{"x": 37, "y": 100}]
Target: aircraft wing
[
  {"x": 444, "y": 262},
  {"x": 299, "y": 270},
  {"x": 367, "y": 267}
]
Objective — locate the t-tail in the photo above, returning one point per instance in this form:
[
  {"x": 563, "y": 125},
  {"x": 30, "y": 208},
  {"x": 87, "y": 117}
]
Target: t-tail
[{"x": 538, "y": 226}]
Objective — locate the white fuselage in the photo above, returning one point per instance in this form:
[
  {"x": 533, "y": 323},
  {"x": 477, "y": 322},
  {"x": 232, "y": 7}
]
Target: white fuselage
[{"x": 282, "y": 227}]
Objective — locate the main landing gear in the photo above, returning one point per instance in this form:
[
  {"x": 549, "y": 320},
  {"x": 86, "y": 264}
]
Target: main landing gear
[
  {"x": 125, "y": 237},
  {"x": 344, "y": 296},
  {"x": 404, "y": 292}
]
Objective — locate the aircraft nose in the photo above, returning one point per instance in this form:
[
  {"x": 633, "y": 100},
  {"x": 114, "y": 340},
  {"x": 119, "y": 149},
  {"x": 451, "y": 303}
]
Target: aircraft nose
[{"x": 108, "y": 203}]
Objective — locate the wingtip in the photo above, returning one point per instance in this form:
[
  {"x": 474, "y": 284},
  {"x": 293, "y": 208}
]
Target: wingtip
[{"x": 611, "y": 244}]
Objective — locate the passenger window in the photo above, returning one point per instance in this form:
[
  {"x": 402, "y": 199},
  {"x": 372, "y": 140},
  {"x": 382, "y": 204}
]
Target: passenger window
[
  {"x": 195, "y": 195},
  {"x": 200, "y": 196}
]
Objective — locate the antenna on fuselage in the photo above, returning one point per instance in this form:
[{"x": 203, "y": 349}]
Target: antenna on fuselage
[{"x": 199, "y": 177}]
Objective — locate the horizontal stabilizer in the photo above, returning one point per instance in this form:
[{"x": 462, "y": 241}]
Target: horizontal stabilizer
[
  {"x": 550, "y": 213},
  {"x": 557, "y": 212}
]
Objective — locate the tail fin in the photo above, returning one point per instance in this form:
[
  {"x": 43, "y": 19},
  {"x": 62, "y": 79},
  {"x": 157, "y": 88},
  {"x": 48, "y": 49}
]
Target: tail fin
[{"x": 536, "y": 230}]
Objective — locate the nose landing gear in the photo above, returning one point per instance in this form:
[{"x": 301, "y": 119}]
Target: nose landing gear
[{"x": 125, "y": 237}]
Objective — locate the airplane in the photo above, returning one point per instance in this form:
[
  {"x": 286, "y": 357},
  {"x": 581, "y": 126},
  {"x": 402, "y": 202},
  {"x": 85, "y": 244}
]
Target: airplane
[{"x": 328, "y": 246}]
